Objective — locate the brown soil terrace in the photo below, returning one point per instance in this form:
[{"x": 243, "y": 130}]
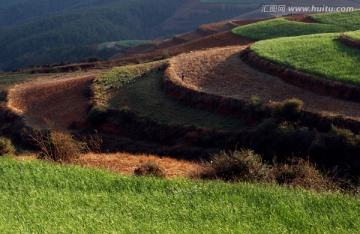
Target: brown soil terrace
[
  {"x": 349, "y": 42},
  {"x": 220, "y": 71},
  {"x": 55, "y": 101}
]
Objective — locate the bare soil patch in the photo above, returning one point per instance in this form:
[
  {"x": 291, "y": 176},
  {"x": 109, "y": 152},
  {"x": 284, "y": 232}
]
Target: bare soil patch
[
  {"x": 54, "y": 102},
  {"x": 220, "y": 71},
  {"x": 125, "y": 163},
  {"x": 301, "y": 18}
]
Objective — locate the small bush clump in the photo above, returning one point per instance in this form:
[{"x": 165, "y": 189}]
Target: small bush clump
[
  {"x": 291, "y": 109},
  {"x": 302, "y": 174},
  {"x": 58, "y": 146},
  {"x": 149, "y": 168},
  {"x": 236, "y": 166},
  {"x": 6, "y": 147}
]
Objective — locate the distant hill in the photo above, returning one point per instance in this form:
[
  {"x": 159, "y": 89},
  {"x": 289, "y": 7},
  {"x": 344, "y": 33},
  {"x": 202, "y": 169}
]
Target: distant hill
[{"x": 36, "y": 32}]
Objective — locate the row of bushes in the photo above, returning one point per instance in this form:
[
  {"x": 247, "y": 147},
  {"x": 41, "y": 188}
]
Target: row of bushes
[
  {"x": 233, "y": 166},
  {"x": 247, "y": 166},
  {"x": 282, "y": 134}
]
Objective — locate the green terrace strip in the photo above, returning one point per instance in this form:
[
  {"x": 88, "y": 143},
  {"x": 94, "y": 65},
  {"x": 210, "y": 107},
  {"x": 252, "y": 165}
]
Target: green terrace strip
[
  {"x": 144, "y": 96},
  {"x": 347, "y": 20},
  {"x": 39, "y": 197},
  {"x": 122, "y": 44},
  {"x": 320, "y": 54},
  {"x": 281, "y": 27},
  {"x": 355, "y": 35}
]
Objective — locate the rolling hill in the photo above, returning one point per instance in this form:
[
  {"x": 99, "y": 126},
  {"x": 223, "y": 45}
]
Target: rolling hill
[
  {"x": 41, "y": 32},
  {"x": 278, "y": 119}
]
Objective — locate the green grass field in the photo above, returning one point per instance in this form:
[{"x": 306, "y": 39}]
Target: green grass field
[
  {"x": 318, "y": 54},
  {"x": 348, "y": 20},
  {"x": 145, "y": 96},
  {"x": 123, "y": 44},
  {"x": 281, "y": 27},
  {"x": 354, "y": 35},
  {"x": 38, "y": 197}
]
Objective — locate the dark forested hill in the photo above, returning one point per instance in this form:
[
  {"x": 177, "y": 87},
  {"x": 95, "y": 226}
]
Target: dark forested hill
[{"x": 35, "y": 32}]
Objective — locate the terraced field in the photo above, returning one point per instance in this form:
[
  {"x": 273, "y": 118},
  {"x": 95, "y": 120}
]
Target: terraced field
[
  {"x": 220, "y": 71},
  {"x": 282, "y": 27},
  {"x": 143, "y": 94},
  {"x": 55, "y": 101},
  {"x": 354, "y": 35},
  {"x": 321, "y": 55},
  {"x": 348, "y": 20}
]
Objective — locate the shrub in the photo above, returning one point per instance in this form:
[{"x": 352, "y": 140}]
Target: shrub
[
  {"x": 301, "y": 173},
  {"x": 254, "y": 105},
  {"x": 58, "y": 146},
  {"x": 290, "y": 109},
  {"x": 237, "y": 166},
  {"x": 94, "y": 142},
  {"x": 149, "y": 168},
  {"x": 6, "y": 147}
]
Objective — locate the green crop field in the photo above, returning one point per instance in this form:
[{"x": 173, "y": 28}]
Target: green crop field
[
  {"x": 319, "y": 54},
  {"x": 39, "y": 197},
  {"x": 145, "y": 96},
  {"x": 355, "y": 35},
  {"x": 281, "y": 27},
  {"x": 123, "y": 44},
  {"x": 348, "y": 20}
]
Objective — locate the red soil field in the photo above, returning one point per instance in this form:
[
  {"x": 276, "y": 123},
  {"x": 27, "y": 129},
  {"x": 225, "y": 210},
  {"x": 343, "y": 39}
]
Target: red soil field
[
  {"x": 53, "y": 102},
  {"x": 220, "y": 71}
]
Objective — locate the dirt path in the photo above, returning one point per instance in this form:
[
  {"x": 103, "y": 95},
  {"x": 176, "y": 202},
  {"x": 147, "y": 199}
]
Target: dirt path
[
  {"x": 54, "y": 102},
  {"x": 220, "y": 71}
]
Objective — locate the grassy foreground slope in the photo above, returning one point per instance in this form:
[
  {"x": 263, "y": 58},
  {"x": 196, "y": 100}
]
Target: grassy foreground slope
[
  {"x": 129, "y": 88},
  {"x": 281, "y": 27},
  {"x": 40, "y": 197},
  {"x": 319, "y": 54}
]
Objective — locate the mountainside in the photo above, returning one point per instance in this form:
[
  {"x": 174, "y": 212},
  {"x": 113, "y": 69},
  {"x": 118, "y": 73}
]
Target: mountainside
[{"x": 41, "y": 32}]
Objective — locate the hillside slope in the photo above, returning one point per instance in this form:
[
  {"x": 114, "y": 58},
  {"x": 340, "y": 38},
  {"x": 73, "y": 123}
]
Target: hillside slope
[{"x": 39, "y": 32}]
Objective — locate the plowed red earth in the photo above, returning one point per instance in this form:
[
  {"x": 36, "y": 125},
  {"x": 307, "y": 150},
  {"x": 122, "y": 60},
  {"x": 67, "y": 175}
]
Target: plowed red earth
[
  {"x": 53, "y": 102},
  {"x": 220, "y": 71}
]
